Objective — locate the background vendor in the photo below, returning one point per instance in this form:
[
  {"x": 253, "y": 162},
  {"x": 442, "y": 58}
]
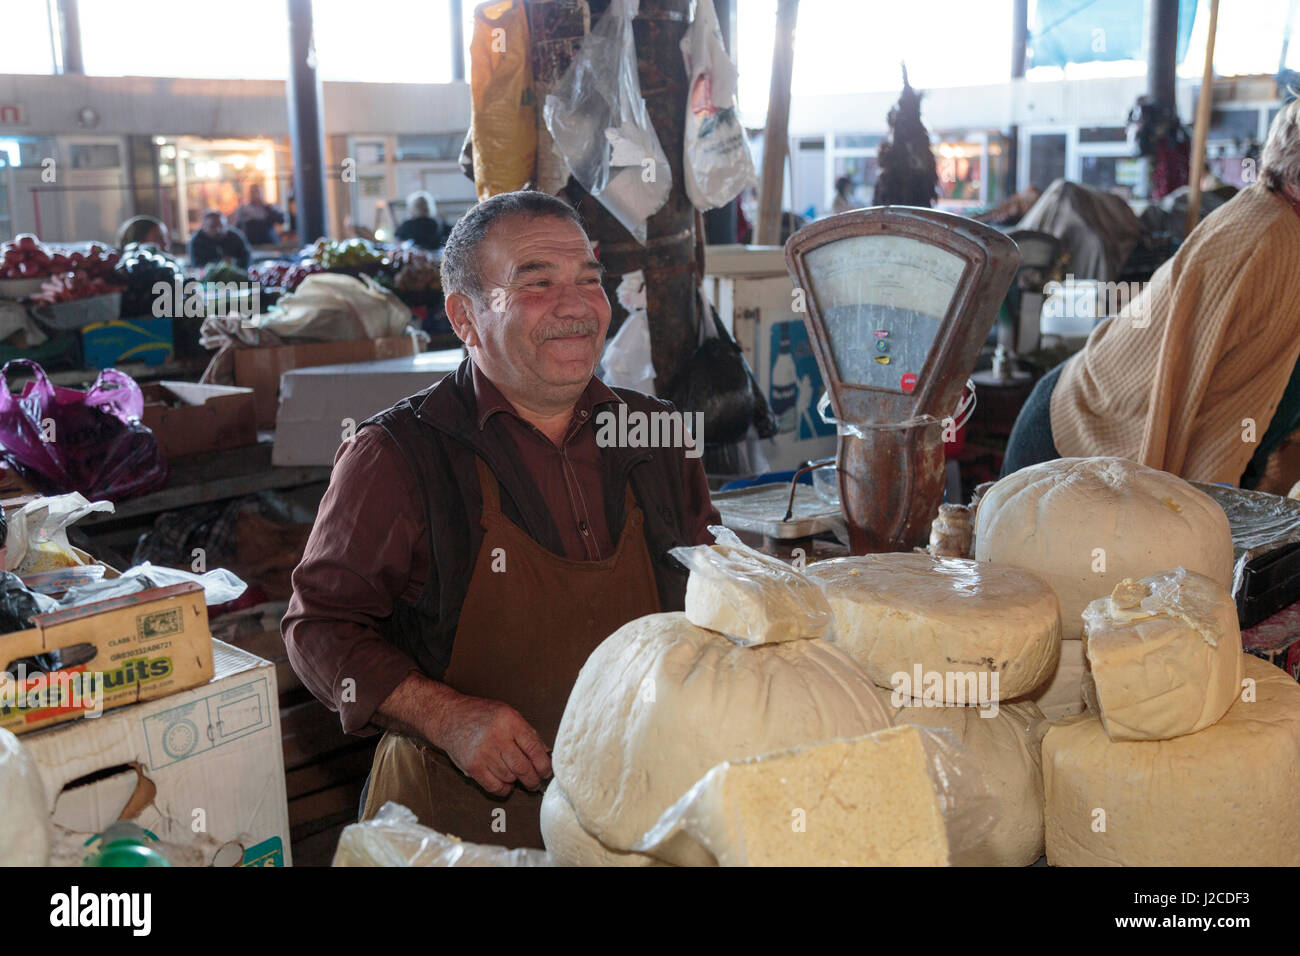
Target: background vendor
[
  {"x": 476, "y": 544},
  {"x": 1197, "y": 376}
]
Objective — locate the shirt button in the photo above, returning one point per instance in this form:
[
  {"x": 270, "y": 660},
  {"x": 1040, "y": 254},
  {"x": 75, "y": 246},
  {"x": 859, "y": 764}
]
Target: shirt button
[
  {"x": 582, "y": 414},
  {"x": 582, "y": 526}
]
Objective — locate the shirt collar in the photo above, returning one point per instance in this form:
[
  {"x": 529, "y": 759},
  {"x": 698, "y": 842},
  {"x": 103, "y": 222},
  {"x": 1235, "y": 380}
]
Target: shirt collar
[{"x": 489, "y": 400}]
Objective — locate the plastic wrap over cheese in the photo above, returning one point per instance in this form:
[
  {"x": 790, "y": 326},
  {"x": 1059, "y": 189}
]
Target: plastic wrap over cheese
[
  {"x": 1177, "y": 594},
  {"x": 905, "y": 796},
  {"x": 1164, "y": 655},
  {"x": 751, "y": 597},
  {"x": 394, "y": 838}
]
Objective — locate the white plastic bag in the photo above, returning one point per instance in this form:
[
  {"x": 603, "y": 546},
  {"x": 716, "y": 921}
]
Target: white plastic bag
[
  {"x": 335, "y": 307},
  {"x": 599, "y": 123},
  {"x": 627, "y": 361},
  {"x": 219, "y": 585},
  {"x": 395, "y": 838},
  {"x": 38, "y": 533},
  {"x": 24, "y": 811},
  {"x": 716, "y": 160}
]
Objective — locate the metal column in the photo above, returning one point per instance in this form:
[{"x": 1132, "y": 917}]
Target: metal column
[
  {"x": 306, "y": 125},
  {"x": 1162, "y": 53}
]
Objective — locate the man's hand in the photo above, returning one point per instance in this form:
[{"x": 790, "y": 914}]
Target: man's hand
[
  {"x": 488, "y": 740},
  {"x": 492, "y": 743}
]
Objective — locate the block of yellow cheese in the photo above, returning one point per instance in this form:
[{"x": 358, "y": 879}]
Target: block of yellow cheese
[
  {"x": 878, "y": 800},
  {"x": 1003, "y": 743},
  {"x": 1164, "y": 654},
  {"x": 1223, "y": 796},
  {"x": 953, "y": 617}
]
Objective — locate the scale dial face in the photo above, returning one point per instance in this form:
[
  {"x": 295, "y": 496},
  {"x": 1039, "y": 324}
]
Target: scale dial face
[{"x": 882, "y": 299}]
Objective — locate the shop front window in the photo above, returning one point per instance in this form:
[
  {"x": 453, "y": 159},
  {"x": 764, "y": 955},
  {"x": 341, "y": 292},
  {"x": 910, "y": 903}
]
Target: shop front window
[
  {"x": 1113, "y": 174},
  {"x": 862, "y": 171},
  {"x": 1046, "y": 158}
]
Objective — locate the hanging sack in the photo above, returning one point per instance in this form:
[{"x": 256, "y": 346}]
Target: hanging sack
[
  {"x": 503, "y": 114},
  {"x": 716, "y": 159}
]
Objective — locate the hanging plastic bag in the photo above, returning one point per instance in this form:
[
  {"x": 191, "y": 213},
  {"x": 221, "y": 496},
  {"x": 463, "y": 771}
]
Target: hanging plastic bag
[
  {"x": 599, "y": 123},
  {"x": 62, "y": 439},
  {"x": 627, "y": 360},
  {"x": 503, "y": 112},
  {"x": 715, "y": 158}
]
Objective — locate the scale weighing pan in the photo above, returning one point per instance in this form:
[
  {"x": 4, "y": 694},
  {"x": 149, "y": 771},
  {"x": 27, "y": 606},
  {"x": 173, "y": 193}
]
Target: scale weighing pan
[{"x": 898, "y": 302}]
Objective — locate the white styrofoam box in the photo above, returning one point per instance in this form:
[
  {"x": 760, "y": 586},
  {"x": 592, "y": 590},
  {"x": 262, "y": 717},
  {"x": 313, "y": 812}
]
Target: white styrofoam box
[
  {"x": 317, "y": 404},
  {"x": 754, "y": 296},
  {"x": 204, "y": 768}
]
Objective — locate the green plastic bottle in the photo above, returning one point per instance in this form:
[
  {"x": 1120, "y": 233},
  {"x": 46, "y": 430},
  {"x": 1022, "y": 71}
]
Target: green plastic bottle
[{"x": 126, "y": 844}]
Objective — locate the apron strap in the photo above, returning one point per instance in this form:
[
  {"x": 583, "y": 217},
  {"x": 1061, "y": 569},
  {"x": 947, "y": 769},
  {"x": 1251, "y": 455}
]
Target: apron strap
[
  {"x": 491, "y": 491},
  {"x": 489, "y": 487}
]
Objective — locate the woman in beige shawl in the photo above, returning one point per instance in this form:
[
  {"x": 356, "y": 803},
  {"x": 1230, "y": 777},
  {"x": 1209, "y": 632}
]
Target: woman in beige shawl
[{"x": 1188, "y": 376}]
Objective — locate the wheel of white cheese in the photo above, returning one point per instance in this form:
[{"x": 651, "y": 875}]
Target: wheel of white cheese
[
  {"x": 1223, "y": 796},
  {"x": 568, "y": 844},
  {"x": 1084, "y": 524},
  {"x": 662, "y": 701},
  {"x": 1164, "y": 655},
  {"x": 1005, "y": 750},
  {"x": 1061, "y": 695},
  {"x": 895, "y": 613}
]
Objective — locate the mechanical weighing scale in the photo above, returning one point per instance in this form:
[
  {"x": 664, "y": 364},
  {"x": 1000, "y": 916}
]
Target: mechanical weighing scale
[{"x": 899, "y": 301}]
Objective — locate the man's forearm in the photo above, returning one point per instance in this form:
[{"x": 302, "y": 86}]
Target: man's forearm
[{"x": 416, "y": 707}]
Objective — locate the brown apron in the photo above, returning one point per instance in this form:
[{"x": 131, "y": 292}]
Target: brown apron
[{"x": 524, "y": 633}]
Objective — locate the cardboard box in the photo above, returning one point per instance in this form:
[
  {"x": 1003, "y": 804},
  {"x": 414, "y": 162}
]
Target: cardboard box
[
  {"x": 260, "y": 369},
  {"x": 202, "y": 770},
  {"x": 209, "y": 418},
  {"x": 147, "y": 340},
  {"x": 316, "y": 402},
  {"x": 119, "y": 651}
]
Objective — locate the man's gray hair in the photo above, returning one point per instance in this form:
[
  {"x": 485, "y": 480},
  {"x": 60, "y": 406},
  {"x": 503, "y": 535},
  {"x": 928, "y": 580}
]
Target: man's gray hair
[
  {"x": 1280, "y": 162},
  {"x": 460, "y": 266}
]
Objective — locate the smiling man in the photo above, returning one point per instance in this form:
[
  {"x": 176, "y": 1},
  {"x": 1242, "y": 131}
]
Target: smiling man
[{"x": 476, "y": 543}]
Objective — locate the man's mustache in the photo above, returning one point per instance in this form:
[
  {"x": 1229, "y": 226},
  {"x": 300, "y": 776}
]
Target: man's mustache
[{"x": 581, "y": 327}]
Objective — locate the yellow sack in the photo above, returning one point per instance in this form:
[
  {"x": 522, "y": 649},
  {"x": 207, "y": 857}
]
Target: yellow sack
[{"x": 503, "y": 113}]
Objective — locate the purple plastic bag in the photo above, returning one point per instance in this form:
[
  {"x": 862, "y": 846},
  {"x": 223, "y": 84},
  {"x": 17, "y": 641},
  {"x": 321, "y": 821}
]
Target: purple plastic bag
[{"x": 99, "y": 447}]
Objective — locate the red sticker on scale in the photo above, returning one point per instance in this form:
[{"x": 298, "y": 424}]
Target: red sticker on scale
[{"x": 908, "y": 382}]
